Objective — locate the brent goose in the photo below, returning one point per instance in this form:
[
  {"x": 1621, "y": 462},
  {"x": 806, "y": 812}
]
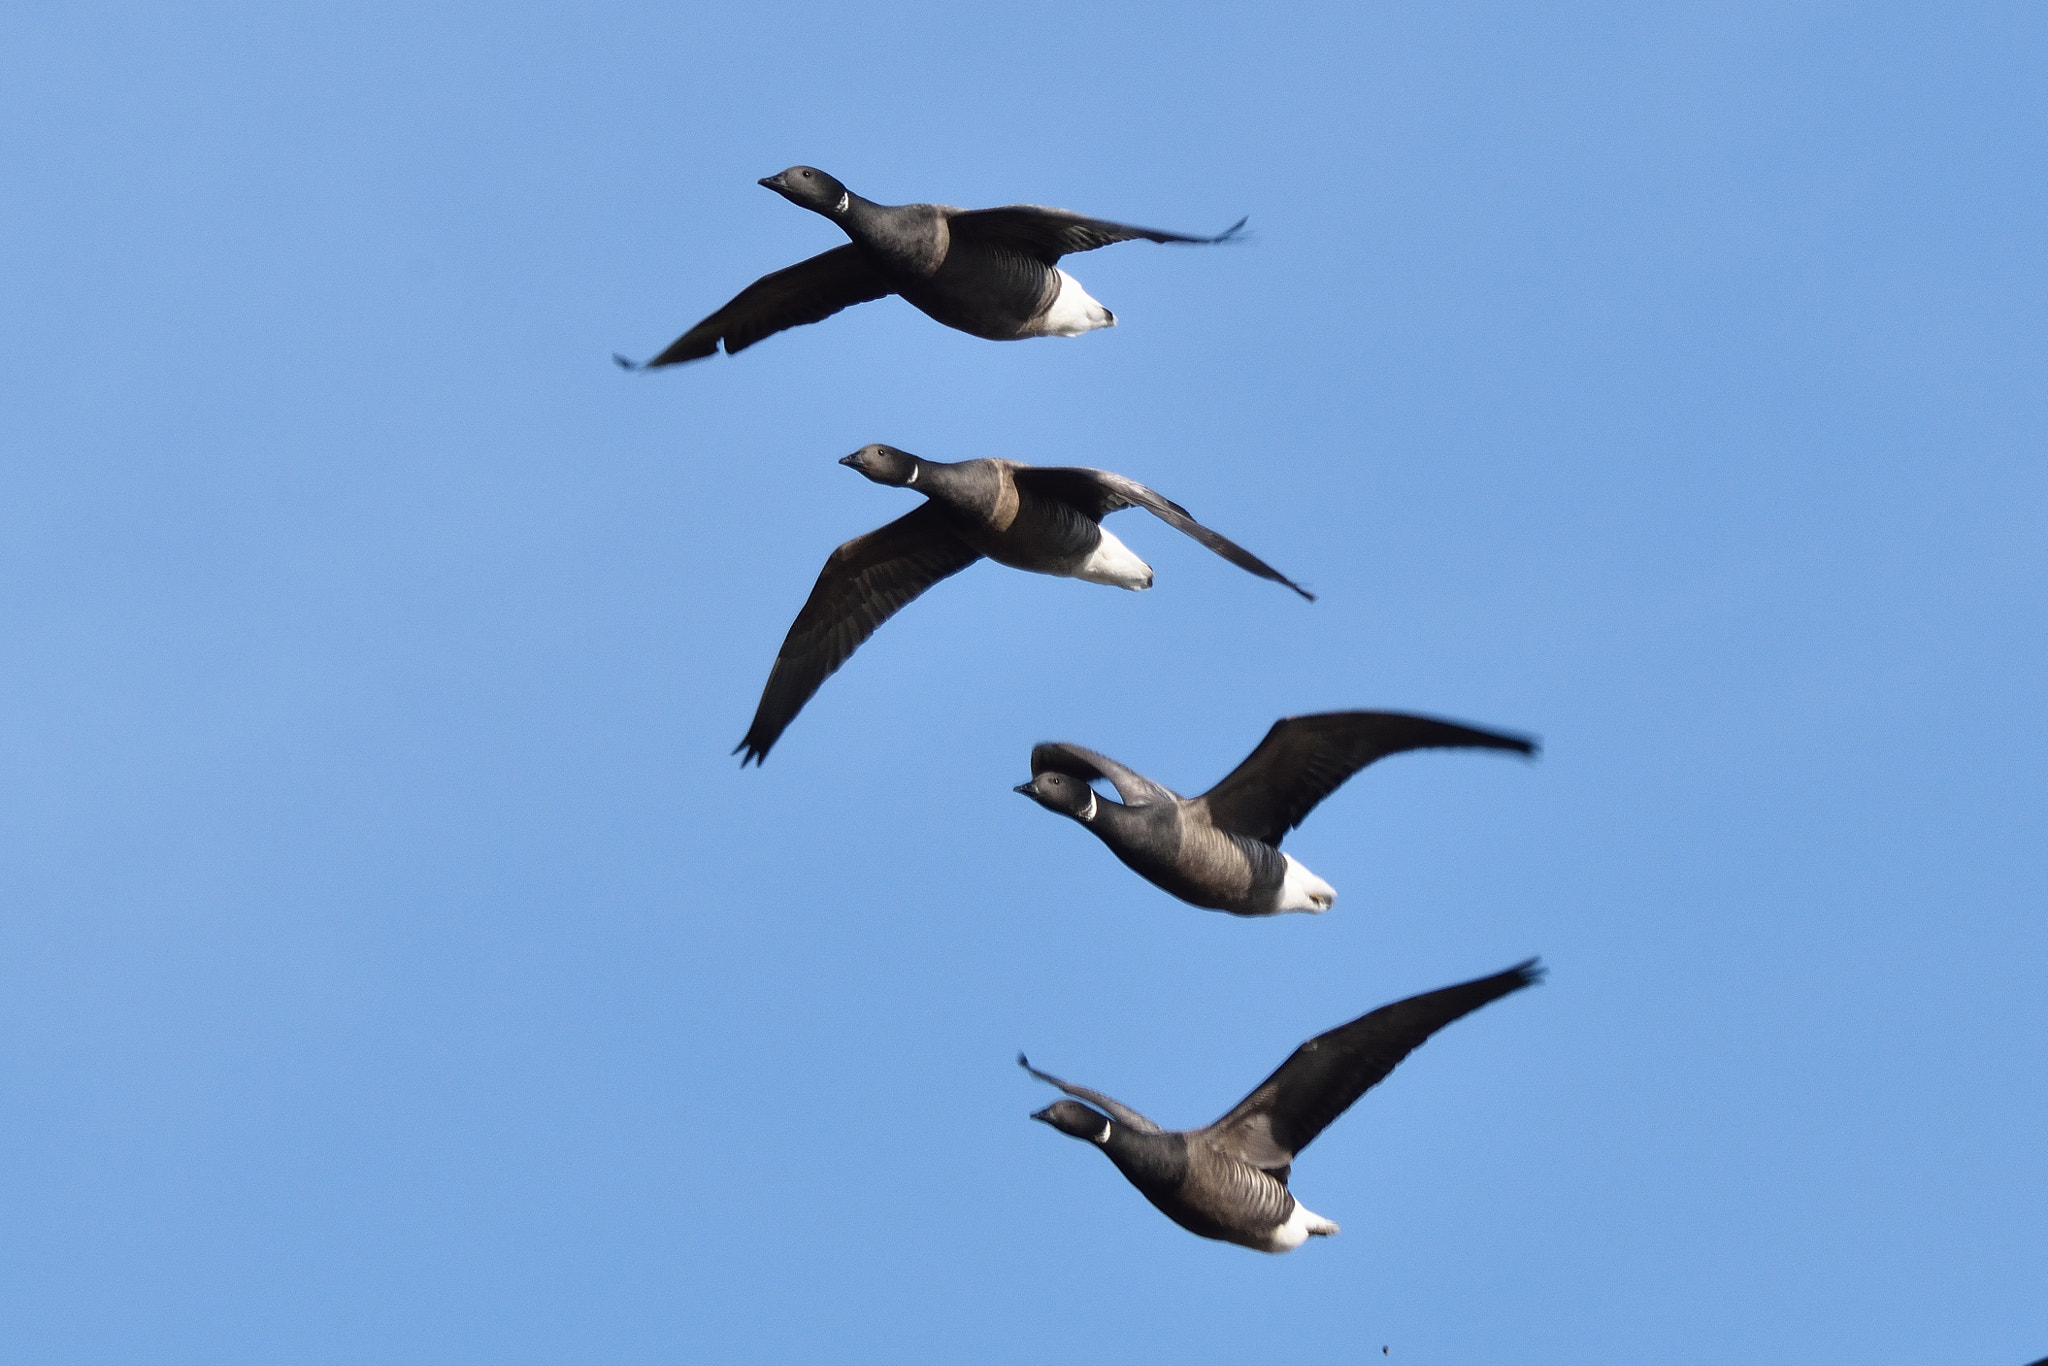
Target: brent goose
[
  {"x": 1229, "y": 1180},
  {"x": 1042, "y": 518},
  {"x": 1221, "y": 850},
  {"x": 993, "y": 273}
]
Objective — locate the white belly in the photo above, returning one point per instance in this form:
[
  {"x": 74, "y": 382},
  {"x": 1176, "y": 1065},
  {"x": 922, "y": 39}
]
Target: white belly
[
  {"x": 1301, "y": 1226},
  {"x": 1113, "y": 563},
  {"x": 1073, "y": 312},
  {"x": 1303, "y": 890}
]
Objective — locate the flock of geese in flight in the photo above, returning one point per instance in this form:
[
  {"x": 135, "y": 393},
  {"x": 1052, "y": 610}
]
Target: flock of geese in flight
[{"x": 994, "y": 273}]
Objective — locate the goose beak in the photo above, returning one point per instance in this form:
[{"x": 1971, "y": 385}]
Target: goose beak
[
  {"x": 848, "y": 460},
  {"x": 1026, "y": 790},
  {"x": 1041, "y": 1116},
  {"x": 770, "y": 182}
]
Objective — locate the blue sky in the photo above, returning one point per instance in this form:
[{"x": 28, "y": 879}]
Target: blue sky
[{"x": 398, "y": 968}]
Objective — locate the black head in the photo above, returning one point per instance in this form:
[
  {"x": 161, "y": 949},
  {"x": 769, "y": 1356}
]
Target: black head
[
  {"x": 1075, "y": 1120},
  {"x": 807, "y": 187},
  {"x": 883, "y": 464},
  {"x": 1060, "y": 792}
]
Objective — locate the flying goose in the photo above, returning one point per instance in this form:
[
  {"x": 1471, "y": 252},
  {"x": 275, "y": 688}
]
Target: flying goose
[
  {"x": 993, "y": 273},
  {"x": 1229, "y": 1180},
  {"x": 1043, "y": 518},
  {"x": 1221, "y": 850}
]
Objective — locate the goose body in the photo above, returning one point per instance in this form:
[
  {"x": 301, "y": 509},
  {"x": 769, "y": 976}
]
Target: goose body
[
  {"x": 991, "y": 273},
  {"x": 1229, "y": 1180},
  {"x": 1176, "y": 847}
]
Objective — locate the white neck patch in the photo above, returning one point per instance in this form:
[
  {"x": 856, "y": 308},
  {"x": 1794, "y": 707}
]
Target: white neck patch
[
  {"x": 913, "y": 477},
  {"x": 1103, "y": 1137},
  {"x": 844, "y": 199},
  {"x": 1089, "y": 814}
]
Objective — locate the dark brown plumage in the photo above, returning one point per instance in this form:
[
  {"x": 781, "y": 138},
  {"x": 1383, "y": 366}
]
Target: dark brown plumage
[
  {"x": 865, "y": 582},
  {"x": 992, "y": 273},
  {"x": 1046, "y": 520},
  {"x": 1221, "y": 850},
  {"x": 1229, "y": 1180},
  {"x": 807, "y": 292}
]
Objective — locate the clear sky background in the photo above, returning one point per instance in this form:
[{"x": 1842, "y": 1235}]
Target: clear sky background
[{"x": 396, "y": 966}]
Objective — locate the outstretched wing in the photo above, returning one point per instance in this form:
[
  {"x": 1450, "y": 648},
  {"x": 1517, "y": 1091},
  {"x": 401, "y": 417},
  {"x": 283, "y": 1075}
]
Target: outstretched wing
[
  {"x": 1320, "y": 1080},
  {"x": 1115, "y": 1109},
  {"x": 1048, "y": 234},
  {"x": 807, "y": 292},
  {"x": 1303, "y": 759},
  {"x": 867, "y": 581},
  {"x": 1135, "y": 788},
  {"x": 1099, "y": 493}
]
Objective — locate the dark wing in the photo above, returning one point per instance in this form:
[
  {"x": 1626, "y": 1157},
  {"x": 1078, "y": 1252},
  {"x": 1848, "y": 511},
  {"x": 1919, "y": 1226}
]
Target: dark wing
[
  {"x": 1099, "y": 493},
  {"x": 1048, "y": 234},
  {"x": 1320, "y": 1080},
  {"x": 807, "y": 292},
  {"x": 1303, "y": 759},
  {"x": 867, "y": 581},
  {"x": 1116, "y": 1109},
  {"x": 1135, "y": 788}
]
